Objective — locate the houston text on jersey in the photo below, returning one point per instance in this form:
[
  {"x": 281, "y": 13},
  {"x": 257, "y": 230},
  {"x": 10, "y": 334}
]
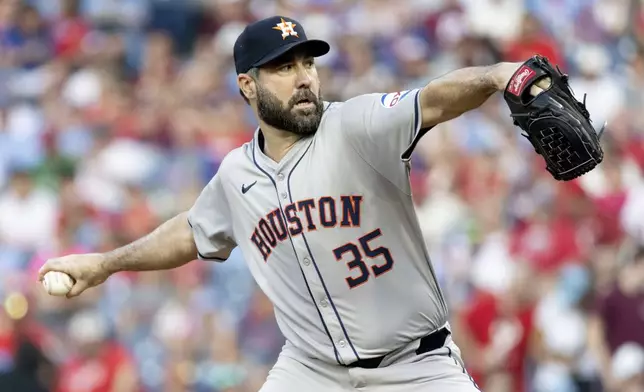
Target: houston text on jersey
[{"x": 325, "y": 212}]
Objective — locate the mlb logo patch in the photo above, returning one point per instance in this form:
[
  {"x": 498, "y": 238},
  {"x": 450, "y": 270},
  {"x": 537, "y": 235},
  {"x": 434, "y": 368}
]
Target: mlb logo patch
[{"x": 390, "y": 100}]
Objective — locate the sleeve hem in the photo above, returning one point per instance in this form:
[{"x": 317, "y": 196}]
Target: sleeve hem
[
  {"x": 202, "y": 257},
  {"x": 418, "y": 131}
]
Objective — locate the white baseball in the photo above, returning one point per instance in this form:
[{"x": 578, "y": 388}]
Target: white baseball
[
  {"x": 57, "y": 283},
  {"x": 540, "y": 86}
]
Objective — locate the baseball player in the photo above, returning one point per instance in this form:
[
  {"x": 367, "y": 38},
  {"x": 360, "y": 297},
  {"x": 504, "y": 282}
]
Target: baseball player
[{"x": 319, "y": 202}]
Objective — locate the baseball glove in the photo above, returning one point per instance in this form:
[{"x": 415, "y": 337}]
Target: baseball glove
[{"x": 554, "y": 121}]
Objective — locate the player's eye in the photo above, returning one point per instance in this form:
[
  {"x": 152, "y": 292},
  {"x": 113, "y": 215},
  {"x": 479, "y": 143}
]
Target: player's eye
[{"x": 285, "y": 67}]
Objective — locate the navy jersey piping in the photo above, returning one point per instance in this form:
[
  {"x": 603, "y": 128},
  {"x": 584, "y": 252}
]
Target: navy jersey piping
[
  {"x": 406, "y": 157},
  {"x": 308, "y": 288},
  {"x": 449, "y": 354},
  {"x": 418, "y": 132},
  {"x": 306, "y": 243}
]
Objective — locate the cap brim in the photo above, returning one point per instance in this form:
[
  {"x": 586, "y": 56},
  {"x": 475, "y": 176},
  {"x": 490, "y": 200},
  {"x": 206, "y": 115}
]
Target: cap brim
[{"x": 313, "y": 47}]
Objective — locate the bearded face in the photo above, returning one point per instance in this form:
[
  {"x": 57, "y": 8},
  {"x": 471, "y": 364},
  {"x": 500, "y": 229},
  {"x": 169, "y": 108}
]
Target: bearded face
[{"x": 300, "y": 115}]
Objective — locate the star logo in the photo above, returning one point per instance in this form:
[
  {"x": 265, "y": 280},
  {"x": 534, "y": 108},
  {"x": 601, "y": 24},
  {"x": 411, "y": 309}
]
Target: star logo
[{"x": 287, "y": 28}]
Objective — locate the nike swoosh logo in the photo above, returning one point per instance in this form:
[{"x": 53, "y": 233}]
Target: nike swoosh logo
[{"x": 247, "y": 188}]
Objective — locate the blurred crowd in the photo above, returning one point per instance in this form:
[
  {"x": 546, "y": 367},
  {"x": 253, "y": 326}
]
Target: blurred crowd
[{"x": 115, "y": 113}]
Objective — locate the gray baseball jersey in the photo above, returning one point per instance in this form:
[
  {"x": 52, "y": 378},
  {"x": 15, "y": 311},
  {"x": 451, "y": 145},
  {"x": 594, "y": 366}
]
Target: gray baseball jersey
[{"x": 330, "y": 233}]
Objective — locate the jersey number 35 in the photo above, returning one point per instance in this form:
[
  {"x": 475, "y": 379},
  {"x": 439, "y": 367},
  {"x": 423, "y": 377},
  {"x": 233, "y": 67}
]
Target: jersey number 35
[{"x": 355, "y": 254}]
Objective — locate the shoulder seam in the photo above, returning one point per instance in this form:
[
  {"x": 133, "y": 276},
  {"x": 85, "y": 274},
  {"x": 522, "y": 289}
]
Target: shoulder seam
[
  {"x": 235, "y": 151},
  {"x": 377, "y": 171},
  {"x": 355, "y": 150}
]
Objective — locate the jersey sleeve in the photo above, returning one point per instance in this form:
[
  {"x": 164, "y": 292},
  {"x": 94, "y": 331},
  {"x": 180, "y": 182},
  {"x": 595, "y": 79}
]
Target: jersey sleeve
[
  {"x": 384, "y": 129},
  {"x": 211, "y": 222}
]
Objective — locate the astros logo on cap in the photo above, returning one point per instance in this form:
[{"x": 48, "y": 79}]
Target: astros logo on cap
[{"x": 287, "y": 28}]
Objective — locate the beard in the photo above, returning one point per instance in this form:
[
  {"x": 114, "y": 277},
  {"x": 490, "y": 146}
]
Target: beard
[{"x": 300, "y": 121}]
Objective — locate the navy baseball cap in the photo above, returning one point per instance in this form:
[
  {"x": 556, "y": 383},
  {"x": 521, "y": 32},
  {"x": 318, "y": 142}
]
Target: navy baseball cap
[{"x": 265, "y": 40}]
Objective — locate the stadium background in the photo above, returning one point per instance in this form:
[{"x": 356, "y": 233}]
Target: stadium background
[{"x": 115, "y": 113}]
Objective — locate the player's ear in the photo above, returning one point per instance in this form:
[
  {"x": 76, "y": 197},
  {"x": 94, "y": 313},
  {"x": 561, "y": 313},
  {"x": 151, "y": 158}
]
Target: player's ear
[{"x": 247, "y": 86}]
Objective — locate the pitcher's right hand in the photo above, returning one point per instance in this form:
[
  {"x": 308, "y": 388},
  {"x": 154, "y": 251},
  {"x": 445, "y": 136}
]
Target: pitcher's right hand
[{"x": 87, "y": 270}]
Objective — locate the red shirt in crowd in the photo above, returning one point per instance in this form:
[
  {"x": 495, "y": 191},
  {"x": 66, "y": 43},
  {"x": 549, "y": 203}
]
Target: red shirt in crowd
[
  {"x": 95, "y": 374},
  {"x": 486, "y": 325},
  {"x": 37, "y": 334},
  {"x": 547, "y": 245},
  {"x": 544, "y": 46},
  {"x": 68, "y": 36},
  {"x": 608, "y": 209}
]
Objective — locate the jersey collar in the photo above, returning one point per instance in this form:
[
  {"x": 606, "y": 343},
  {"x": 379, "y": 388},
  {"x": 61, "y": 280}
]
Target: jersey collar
[{"x": 291, "y": 156}]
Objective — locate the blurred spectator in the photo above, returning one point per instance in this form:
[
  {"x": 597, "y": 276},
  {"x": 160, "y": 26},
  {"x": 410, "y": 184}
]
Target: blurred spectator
[
  {"x": 619, "y": 316},
  {"x": 363, "y": 72},
  {"x": 30, "y": 39},
  {"x": 69, "y": 31},
  {"x": 28, "y": 348},
  {"x": 547, "y": 240},
  {"x": 533, "y": 39},
  {"x": 499, "y": 20},
  {"x": 559, "y": 16},
  {"x": 98, "y": 364},
  {"x": 559, "y": 340},
  {"x": 595, "y": 77},
  {"x": 26, "y": 376},
  {"x": 258, "y": 335},
  {"x": 21, "y": 205},
  {"x": 494, "y": 335},
  {"x": 632, "y": 212}
]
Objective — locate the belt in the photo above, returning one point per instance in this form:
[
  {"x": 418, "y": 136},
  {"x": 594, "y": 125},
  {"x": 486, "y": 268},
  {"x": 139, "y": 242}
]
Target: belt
[{"x": 433, "y": 341}]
